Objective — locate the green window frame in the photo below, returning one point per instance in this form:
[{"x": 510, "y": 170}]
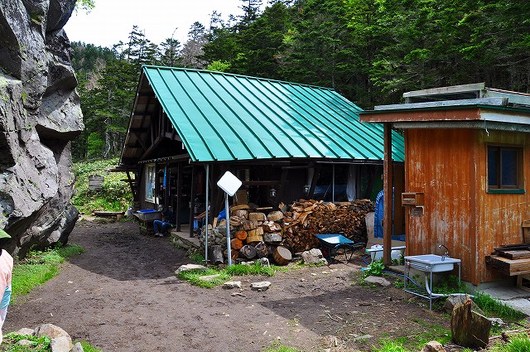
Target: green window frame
[{"x": 505, "y": 169}]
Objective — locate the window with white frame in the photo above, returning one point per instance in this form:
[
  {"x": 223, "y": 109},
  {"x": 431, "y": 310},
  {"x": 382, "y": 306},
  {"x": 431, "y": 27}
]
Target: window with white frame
[{"x": 150, "y": 183}]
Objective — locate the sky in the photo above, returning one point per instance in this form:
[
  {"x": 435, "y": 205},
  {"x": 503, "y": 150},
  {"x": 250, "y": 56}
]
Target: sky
[{"x": 112, "y": 20}]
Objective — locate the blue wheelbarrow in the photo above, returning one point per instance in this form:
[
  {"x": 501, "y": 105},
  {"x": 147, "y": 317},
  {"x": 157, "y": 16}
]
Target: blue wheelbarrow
[{"x": 333, "y": 244}]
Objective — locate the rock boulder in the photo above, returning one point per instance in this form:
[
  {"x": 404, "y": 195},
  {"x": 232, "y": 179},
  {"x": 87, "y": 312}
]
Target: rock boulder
[{"x": 40, "y": 115}]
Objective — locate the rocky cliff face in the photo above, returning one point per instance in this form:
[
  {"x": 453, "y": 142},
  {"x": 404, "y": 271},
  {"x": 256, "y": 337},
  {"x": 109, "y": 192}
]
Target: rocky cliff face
[{"x": 40, "y": 114}]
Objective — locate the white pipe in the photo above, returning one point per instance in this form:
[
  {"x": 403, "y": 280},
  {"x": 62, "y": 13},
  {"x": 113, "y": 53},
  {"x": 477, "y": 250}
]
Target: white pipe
[
  {"x": 227, "y": 218},
  {"x": 436, "y": 295}
]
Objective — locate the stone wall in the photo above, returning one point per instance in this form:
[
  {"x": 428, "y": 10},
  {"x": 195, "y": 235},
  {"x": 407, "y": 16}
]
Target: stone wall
[{"x": 40, "y": 115}]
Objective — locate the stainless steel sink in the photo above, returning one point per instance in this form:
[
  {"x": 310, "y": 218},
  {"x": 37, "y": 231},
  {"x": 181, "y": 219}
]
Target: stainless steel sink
[{"x": 431, "y": 263}]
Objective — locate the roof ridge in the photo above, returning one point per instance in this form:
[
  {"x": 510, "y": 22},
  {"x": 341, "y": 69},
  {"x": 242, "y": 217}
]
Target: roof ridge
[{"x": 237, "y": 75}]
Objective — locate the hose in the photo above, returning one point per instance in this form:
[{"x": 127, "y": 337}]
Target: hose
[{"x": 438, "y": 295}]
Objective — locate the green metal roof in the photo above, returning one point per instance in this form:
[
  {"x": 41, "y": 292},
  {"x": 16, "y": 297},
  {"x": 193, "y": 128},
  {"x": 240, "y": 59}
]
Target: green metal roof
[{"x": 226, "y": 117}]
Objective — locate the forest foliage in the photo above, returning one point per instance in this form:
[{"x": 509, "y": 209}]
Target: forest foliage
[{"x": 370, "y": 51}]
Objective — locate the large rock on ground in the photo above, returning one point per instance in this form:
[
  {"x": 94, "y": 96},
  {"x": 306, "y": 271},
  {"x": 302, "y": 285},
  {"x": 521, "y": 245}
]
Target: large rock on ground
[{"x": 40, "y": 115}]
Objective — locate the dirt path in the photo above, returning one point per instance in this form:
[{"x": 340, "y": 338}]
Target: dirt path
[{"x": 122, "y": 295}]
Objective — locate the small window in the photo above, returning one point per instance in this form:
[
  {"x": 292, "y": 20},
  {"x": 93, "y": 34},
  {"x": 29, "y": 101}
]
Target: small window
[
  {"x": 505, "y": 169},
  {"x": 150, "y": 177}
]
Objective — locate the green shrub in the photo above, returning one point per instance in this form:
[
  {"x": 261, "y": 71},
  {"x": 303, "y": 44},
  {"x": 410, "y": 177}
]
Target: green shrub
[
  {"x": 37, "y": 344},
  {"x": 115, "y": 194},
  {"x": 375, "y": 268}
]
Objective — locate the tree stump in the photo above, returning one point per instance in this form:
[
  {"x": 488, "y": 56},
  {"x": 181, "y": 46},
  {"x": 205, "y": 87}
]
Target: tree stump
[{"x": 468, "y": 328}]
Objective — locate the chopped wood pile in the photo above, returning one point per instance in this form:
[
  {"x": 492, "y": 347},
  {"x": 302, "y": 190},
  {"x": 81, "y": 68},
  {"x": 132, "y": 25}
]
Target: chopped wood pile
[
  {"x": 306, "y": 218},
  {"x": 256, "y": 233}
]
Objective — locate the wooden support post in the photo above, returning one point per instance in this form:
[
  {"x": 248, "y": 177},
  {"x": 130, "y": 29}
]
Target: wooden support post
[
  {"x": 192, "y": 199},
  {"x": 179, "y": 197},
  {"x": 387, "y": 186}
]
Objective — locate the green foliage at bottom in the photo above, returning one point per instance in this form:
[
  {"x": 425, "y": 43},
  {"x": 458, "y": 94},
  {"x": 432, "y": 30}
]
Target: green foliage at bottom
[
  {"x": 39, "y": 267},
  {"x": 35, "y": 344},
  {"x": 390, "y": 346},
  {"x": 87, "y": 347},
  {"x": 278, "y": 347},
  {"x": 252, "y": 269},
  {"x": 493, "y": 307},
  {"x": 196, "y": 277},
  {"x": 517, "y": 343}
]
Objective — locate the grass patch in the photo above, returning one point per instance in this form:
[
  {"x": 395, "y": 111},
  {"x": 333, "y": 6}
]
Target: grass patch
[
  {"x": 87, "y": 347},
  {"x": 196, "y": 276},
  {"x": 494, "y": 308},
  {"x": 415, "y": 342},
  {"x": 516, "y": 343},
  {"x": 278, "y": 347},
  {"x": 39, "y": 267},
  {"x": 252, "y": 269},
  {"x": 36, "y": 344},
  {"x": 390, "y": 346}
]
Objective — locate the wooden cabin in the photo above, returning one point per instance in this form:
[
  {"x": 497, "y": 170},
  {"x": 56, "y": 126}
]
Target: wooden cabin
[
  {"x": 284, "y": 140},
  {"x": 467, "y": 174}
]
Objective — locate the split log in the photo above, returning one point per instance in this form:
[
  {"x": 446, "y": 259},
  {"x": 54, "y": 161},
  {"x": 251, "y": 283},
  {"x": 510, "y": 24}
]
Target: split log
[
  {"x": 270, "y": 226},
  {"x": 275, "y": 215},
  {"x": 255, "y": 235},
  {"x": 248, "y": 251},
  {"x": 257, "y": 217},
  {"x": 249, "y": 225},
  {"x": 241, "y": 235},
  {"x": 216, "y": 254},
  {"x": 236, "y": 244},
  {"x": 282, "y": 256},
  {"x": 235, "y": 221},
  {"x": 261, "y": 249},
  {"x": 242, "y": 213},
  {"x": 239, "y": 207},
  {"x": 272, "y": 238}
]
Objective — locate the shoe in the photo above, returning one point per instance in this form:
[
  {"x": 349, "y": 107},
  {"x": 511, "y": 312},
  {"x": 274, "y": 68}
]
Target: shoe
[{"x": 158, "y": 234}]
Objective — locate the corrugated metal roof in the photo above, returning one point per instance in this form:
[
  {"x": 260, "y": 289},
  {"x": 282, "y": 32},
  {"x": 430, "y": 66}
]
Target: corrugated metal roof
[{"x": 226, "y": 117}]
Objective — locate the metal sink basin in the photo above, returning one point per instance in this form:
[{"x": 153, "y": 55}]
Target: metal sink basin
[{"x": 431, "y": 263}]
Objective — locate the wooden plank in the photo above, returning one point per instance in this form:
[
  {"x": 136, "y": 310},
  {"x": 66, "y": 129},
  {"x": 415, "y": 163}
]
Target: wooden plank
[
  {"x": 510, "y": 267},
  {"x": 517, "y": 254}
]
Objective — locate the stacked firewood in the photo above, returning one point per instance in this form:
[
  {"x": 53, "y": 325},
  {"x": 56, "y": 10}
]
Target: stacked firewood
[
  {"x": 273, "y": 233},
  {"x": 306, "y": 218}
]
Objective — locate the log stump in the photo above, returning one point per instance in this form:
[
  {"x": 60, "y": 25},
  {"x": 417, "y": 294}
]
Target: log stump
[{"x": 468, "y": 328}]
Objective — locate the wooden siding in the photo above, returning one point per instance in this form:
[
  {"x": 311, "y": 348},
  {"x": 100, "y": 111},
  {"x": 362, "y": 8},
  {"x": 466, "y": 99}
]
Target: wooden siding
[
  {"x": 449, "y": 166},
  {"x": 440, "y": 163},
  {"x": 501, "y": 215}
]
